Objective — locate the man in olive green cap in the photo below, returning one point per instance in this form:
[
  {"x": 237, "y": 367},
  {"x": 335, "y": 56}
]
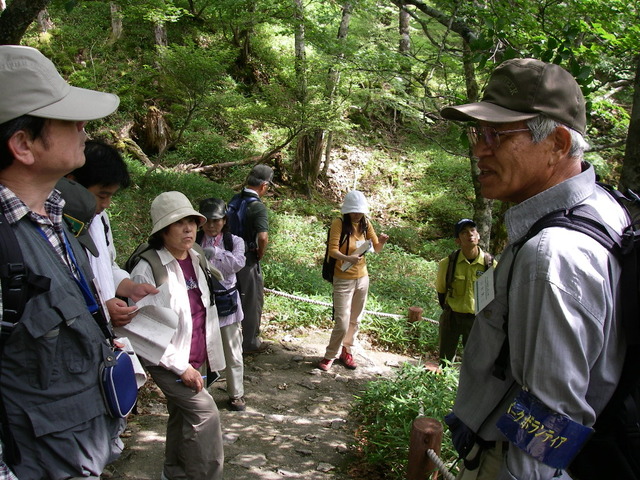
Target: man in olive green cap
[{"x": 558, "y": 299}]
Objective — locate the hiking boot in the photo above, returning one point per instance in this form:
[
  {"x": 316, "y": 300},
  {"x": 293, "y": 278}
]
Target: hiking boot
[
  {"x": 264, "y": 346},
  {"x": 237, "y": 404},
  {"x": 347, "y": 359},
  {"x": 325, "y": 364}
]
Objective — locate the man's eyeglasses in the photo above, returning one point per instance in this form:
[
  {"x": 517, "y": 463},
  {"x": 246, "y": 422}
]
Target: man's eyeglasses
[{"x": 490, "y": 135}]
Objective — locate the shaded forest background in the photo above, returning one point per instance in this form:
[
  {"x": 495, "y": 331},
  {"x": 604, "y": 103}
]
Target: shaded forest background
[
  {"x": 209, "y": 85},
  {"x": 334, "y": 95}
]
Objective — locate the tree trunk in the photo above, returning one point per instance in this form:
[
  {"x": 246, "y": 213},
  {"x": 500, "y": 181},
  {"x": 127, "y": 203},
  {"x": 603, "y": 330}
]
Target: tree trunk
[
  {"x": 333, "y": 79},
  {"x": 630, "y": 176},
  {"x": 116, "y": 23},
  {"x": 300, "y": 61},
  {"x": 17, "y": 17},
  {"x": 308, "y": 157},
  {"x": 160, "y": 34},
  {"x": 403, "y": 28},
  {"x": 306, "y": 164},
  {"x": 482, "y": 207},
  {"x": 44, "y": 21},
  {"x": 245, "y": 72}
]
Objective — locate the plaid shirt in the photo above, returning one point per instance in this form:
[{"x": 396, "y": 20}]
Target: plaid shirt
[
  {"x": 15, "y": 209},
  {"x": 5, "y": 473}
]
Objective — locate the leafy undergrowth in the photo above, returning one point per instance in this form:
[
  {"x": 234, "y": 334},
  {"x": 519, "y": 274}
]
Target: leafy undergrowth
[{"x": 385, "y": 412}]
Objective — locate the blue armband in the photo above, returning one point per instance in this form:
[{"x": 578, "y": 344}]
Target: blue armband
[{"x": 550, "y": 437}]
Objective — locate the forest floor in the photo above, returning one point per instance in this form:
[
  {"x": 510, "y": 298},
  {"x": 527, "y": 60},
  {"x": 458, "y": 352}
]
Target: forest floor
[{"x": 298, "y": 422}]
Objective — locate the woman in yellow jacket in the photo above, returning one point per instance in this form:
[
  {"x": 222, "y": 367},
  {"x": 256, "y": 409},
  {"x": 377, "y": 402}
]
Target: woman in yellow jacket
[{"x": 348, "y": 236}]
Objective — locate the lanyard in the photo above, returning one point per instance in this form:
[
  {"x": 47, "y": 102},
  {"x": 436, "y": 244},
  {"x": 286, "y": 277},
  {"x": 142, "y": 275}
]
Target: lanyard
[
  {"x": 76, "y": 273},
  {"x": 80, "y": 279}
]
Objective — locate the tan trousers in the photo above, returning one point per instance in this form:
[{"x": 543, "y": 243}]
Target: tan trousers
[{"x": 349, "y": 299}]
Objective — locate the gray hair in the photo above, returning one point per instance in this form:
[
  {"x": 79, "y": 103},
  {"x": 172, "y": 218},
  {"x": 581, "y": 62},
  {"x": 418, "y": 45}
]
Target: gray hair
[{"x": 541, "y": 127}]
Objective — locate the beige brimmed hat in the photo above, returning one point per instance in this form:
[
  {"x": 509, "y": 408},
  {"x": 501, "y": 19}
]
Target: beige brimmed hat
[
  {"x": 521, "y": 89},
  {"x": 31, "y": 85},
  {"x": 169, "y": 207}
]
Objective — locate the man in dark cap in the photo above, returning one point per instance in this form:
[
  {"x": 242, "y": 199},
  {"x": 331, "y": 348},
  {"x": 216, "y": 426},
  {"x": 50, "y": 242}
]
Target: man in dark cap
[
  {"x": 52, "y": 354},
  {"x": 457, "y": 274},
  {"x": 248, "y": 219},
  {"x": 558, "y": 298}
]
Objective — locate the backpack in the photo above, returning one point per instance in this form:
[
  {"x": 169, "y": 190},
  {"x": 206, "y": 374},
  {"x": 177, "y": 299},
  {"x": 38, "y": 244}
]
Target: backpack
[
  {"x": 612, "y": 451},
  {"x": 329, "y": 263},
  {"x": 146, "y": 252},
  {"x": 18, "y": 283},
  {"x": 236, "y": 215}
]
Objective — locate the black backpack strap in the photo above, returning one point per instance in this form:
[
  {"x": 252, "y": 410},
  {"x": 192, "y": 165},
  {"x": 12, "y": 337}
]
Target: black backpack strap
[
  {"x": 227, "y": 241},
  {"x": 18, "y": 282},
  {"x": 582, "y": 218},
  {"x": 451, "y": 268},
  {"x": 343, "y": 236}
]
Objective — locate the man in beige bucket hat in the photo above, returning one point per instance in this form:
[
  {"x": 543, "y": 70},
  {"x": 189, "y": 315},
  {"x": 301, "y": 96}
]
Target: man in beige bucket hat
[
  {"x": 558, "y": 299},
  {"x": 58, "y": 427}
]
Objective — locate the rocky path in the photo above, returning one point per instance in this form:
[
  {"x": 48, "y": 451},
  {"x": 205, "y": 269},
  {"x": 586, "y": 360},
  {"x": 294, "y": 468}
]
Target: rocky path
[{"x": 296, "y": 425}]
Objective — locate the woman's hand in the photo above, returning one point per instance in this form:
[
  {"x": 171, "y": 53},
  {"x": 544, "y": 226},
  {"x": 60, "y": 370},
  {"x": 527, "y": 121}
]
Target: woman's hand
[
  {"x": 353, "y": 259},
  {"x": 382, "y": 239},
  {"x": 192, "y": 379}
]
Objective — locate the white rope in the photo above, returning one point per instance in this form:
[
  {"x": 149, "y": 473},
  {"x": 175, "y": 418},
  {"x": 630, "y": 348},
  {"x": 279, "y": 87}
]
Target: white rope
[
  {"x": 440, "y": 464},
  {"x": 326, "y": 304}
]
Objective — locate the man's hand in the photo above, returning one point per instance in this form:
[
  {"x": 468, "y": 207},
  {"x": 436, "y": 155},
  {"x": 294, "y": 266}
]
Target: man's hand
[
  {"x": 135, "y": 291},
  {"x": 120, "y": 312}
]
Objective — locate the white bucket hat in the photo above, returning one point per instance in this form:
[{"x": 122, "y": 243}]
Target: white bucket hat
[
  {"x": 32, "y": 85},
  {"x": 355, "y": 202},
  {"x": 169, "y": 207}
]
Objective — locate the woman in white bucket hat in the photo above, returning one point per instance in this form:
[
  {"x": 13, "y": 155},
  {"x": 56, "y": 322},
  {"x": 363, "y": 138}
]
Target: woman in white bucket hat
[
  {"x": 193, "y": 447},
  {"x": 347, "y": 237}
]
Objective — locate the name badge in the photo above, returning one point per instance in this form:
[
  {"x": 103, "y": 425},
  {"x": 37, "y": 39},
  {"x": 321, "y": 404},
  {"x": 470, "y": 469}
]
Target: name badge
[
  {"x": 550, "y": 437},
  {"x": 483, "y": 291}
]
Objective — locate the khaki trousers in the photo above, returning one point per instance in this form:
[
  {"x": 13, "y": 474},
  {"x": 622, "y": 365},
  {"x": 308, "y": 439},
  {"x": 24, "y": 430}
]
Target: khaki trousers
[
  {"x": 349, "y": 299},
  {"x": 232, "y": 347}
]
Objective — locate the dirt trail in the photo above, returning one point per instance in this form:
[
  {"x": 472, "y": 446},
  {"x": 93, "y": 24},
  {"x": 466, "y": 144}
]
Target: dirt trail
[{"x": 296, "y": 425}]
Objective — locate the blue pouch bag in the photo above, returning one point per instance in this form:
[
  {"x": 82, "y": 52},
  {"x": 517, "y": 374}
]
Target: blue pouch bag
[{"x": 118, "y": 384}]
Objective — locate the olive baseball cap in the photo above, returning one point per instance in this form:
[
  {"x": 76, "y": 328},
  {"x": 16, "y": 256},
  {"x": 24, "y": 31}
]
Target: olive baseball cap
[
  {"x": 523, "y": 88},
  {"x": 32, "y": 85}
]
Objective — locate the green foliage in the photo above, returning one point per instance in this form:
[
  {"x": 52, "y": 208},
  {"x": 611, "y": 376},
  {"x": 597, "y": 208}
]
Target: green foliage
[
  {"x": 130, "y": 207},
  {"x": 387, "y": 408},
  {"x": 228, "y": 82}
]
